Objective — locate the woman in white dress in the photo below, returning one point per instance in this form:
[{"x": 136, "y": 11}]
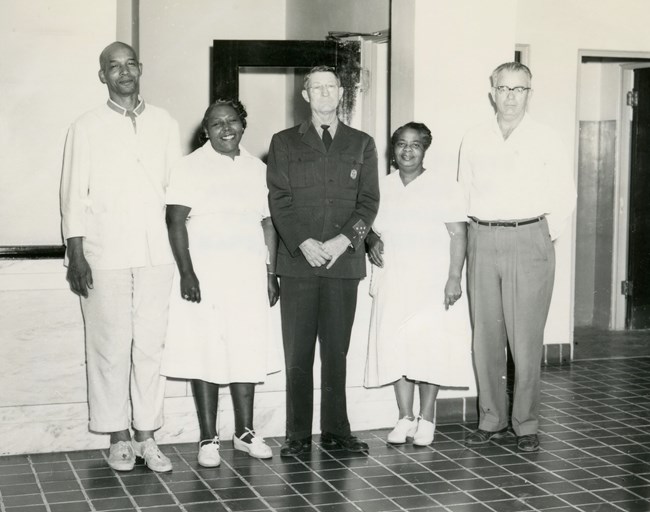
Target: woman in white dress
[
  {"x": 224, "y": 244},
  {"x": 417, "y": 246}
]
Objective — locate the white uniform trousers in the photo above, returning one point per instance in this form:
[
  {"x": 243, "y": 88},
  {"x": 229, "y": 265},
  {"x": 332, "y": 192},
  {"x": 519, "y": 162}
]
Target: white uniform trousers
[{"x": 125, "y": 317}]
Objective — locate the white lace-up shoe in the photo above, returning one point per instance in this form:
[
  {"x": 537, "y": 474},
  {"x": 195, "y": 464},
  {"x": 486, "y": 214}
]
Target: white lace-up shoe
[
  {"x": 209, "y": 453},
  {"x": 153, "y": 457},
  {"x": 424, "y": 433},
  {"x": 404, "y": 428},
  {"x": 257, "y": 447},
  {"x": 121, "y": 456}
]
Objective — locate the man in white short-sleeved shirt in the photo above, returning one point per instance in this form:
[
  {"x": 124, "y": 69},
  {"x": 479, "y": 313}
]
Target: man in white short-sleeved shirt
[
  {"x": 520, "y": 193},
  {"x": 115, "y": 172}
]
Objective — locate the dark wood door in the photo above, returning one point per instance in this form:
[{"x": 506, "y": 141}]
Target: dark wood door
[{"x": 638, "y": 303}]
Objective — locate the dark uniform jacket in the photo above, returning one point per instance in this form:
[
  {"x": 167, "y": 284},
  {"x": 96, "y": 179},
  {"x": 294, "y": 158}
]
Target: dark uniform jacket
[{"x": 314, "y": 193}]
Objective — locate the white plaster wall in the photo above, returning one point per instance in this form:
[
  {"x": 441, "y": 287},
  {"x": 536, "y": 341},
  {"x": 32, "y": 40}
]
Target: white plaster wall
[
  {"x": 50, "y": 51},
  {"x": 556, "y": 30},
  {"x": 175, "y": 48},
  {"x": 313, "y": 19}
]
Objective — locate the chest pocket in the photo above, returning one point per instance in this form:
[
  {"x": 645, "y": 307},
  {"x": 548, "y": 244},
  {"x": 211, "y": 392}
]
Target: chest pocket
[
  {"x": 302, "y": 170},
  {"x": 349, "y": 170}
]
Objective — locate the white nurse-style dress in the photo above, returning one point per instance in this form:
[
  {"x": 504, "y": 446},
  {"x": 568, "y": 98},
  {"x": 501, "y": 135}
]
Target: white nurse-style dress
[
  {"x": 411, "y": 333},
  {"x": 224, "y": 338}
]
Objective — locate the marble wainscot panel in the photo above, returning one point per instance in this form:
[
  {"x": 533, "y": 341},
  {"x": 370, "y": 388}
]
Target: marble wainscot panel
[{"x": 43, "y": 405}]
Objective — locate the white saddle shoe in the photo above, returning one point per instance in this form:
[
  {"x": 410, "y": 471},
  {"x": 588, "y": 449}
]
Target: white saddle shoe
[{"x": 257, "y": 447}]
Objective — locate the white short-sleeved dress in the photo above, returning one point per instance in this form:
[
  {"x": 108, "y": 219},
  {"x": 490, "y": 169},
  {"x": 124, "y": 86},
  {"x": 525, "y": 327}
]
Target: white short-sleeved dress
[
  {"x": 225, "y": 337},
  {"x": 411, "y": 333}
]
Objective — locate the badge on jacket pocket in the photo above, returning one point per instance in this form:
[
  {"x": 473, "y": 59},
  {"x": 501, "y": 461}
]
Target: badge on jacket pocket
[{"x": 353, "y": 174}]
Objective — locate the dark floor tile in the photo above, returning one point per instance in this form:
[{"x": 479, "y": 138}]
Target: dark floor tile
[
  {"x": 151, "y": 500},
  {"x": 205, "y": 507},
  {"x": 382, "y": 505},
  {"x": 29, "y": 508},
  {"x": 325, "y": 498},
  {"x": 22, "y": 500},
  {"x": 337, "y": 507},
  {"x": 78, "y": 506},
  {"x": 195, "y": 496},
  {"x": 65, "y": 496},
  {"x": 487, "y": 495},
  {"x": 400, "y": 490},
  {"x": 246, "y": 504},
  {"x": 102, "y": 504},
  {"x": 235, "y": 493},
  {"x": 466, "y": 507},
  {"x": 453, "y": 498},
  {"x": 65, "y": 485},
  {"x": 19, "y": 489},
  {"x": 414, "y": 502}
]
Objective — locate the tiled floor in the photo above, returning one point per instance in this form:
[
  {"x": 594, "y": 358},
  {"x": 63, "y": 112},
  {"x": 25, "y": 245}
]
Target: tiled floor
[{"x": 595, "y": 456}]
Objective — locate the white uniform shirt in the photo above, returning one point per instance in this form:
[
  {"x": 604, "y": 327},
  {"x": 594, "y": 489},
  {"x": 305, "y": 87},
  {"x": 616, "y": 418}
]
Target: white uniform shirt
[
  {"x": 113, "y": 186},
  {"x": 524, "y": 176}
]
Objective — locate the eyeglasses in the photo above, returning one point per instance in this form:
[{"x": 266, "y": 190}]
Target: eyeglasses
[
  {"x": 504, "y": 89},
  {"x": 321, "y": 88}
]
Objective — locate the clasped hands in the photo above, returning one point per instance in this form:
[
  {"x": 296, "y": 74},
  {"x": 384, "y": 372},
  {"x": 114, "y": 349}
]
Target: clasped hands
[{"x": 319, "y": 253}]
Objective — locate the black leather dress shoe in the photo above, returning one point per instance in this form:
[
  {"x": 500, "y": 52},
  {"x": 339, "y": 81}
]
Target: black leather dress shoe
[
  {"x": 349, "y": 442},
  {"x": 480, "y": 437},
  {"x": 294, "y": 447},
  {"x": 528, "y": 443}
]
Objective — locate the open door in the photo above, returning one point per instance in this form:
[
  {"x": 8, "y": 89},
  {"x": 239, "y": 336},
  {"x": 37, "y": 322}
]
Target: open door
[{"x": 638, "y": 276}]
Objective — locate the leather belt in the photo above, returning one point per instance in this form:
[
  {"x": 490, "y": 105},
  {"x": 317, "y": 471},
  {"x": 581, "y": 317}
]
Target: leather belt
[{"x": 506, "y": 223}]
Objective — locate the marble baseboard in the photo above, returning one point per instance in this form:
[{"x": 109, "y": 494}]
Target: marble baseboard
[{"x": 64, "y": 427}]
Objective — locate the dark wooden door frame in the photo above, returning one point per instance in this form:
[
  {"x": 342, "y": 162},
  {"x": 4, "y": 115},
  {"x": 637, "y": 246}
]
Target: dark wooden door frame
[{"x": 229, "y": 55}]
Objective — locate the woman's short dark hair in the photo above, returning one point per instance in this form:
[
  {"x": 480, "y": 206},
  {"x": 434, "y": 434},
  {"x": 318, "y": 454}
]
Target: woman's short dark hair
[{"x": 237, "y": 105}]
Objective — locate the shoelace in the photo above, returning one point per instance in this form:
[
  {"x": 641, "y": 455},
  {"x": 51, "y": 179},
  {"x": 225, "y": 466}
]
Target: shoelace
[
  {"x": 151, "y": 449},
  {"x": 214, "y": 440}
]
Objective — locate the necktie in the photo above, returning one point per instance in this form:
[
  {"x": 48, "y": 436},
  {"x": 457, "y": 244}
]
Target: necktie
[{"x": 327, "y": 136}]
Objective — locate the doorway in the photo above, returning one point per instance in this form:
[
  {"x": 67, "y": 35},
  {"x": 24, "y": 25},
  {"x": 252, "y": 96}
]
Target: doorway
[{"x": 603, "y": 211}]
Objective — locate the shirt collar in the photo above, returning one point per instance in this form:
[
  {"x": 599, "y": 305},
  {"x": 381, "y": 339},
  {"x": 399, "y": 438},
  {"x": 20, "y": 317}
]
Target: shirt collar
[
  {"x": 524, "y": 121},
  {"x": 332, "y": 127},
  {"x": 122, "y": 111}
]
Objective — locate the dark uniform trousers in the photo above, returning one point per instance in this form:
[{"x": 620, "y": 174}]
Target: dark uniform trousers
[{"x": 311, "y": 307}]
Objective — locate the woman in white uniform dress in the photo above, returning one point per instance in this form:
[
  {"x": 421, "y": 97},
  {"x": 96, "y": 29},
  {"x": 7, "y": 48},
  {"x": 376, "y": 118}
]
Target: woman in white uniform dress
[
  {"x": 417, "y": 246},
  {"x": 224, "y": 244}
]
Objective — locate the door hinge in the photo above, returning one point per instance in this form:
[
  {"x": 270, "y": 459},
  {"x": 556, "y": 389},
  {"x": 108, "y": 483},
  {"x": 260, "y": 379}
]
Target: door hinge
[
  {"x": 626, "y": 288},
  {"x": 633, "y": 98}
]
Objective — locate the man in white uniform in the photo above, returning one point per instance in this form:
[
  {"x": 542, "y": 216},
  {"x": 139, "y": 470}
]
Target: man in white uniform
[
  {"x": 520, "y": 194},
  {"x": 115, "y": 171}
]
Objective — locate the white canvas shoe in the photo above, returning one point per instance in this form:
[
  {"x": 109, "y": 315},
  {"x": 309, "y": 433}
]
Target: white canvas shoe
[
  {"x": 121, "y": 456},
  {"x": 424, "y": 433},
  {"x": 209, "y": 453},
  {"x": 257, "y": 447},
  {"x": 404, "y": 428},
  {"x": 153, "y": 457}
]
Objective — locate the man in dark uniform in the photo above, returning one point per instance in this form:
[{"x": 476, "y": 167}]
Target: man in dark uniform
[{"x": 323, "y": 196}]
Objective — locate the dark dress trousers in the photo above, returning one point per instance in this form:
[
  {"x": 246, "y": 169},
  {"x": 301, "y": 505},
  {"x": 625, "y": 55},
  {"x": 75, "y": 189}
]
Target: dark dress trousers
[{"x": 318, "y": 193}]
